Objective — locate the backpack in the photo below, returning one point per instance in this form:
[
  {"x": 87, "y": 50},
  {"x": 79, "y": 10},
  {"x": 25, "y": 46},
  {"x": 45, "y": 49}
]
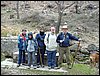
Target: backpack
[{"x": 48, "y": 38}]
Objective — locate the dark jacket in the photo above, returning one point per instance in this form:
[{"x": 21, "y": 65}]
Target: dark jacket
[
  {"x": 40, "y": 40},
  {"x": 65, "y": 43}
]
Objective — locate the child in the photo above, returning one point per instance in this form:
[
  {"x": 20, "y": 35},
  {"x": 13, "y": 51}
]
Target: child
[
  {"x": 31, "y": 49},
  {"x": 22, "y": 47}
]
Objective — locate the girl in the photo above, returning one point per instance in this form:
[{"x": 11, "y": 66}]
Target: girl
[{"x": 31, "y": 49}]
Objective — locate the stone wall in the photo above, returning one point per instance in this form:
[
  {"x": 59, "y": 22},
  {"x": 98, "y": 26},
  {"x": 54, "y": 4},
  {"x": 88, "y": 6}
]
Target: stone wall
[{"x": 9, "y": 45}]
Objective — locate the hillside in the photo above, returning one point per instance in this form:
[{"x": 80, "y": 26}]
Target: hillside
[{"x": 34, "y": 14}]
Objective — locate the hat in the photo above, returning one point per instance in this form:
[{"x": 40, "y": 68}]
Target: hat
[
  {"x": 30, "y": 33},
  {"x": 65, "y": 26},
  {"x": 52, "y": 27}
]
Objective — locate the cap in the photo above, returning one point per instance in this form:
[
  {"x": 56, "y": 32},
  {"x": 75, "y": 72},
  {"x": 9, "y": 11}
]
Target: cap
[
  {"x": 52, "y": 27},
  {"x": 65, "y": 26}
]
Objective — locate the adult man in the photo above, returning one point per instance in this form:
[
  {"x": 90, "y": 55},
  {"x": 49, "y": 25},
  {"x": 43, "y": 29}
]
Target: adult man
[
  {"x": 63, "y": 40},
  {"x": 22, "y": 45},
  {"x": 41, "y": 50},
  {"x": 51, "y": 47}
]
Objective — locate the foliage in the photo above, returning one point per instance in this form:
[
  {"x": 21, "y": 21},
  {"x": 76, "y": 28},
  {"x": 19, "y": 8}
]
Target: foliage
[
  {"x": 2, "y": 57},
  {"x": 80, "y": 69}
]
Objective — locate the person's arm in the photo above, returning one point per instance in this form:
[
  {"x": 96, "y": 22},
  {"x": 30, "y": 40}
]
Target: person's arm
[
  {"x": 36, "y": 40},
  {"x": 26, "y": 44},
  {"x": 18, "y": 41},
  {"x": 45, "y": 40},
  {"x": 73, "y": 37},
  {"x": 58, "y": 39},
  {"x": 36, "y": 44}
]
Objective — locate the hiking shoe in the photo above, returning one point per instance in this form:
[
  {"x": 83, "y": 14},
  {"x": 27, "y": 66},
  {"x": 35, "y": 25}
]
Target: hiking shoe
[
  {"x": 18, "y": 65},
  {"x": 69, "y": 65},
  {"x": 56, "y": 67},
  {"x": 23, "y": 64},
  {"x": 42, "y": 66},
  {"x": 52, "y": 67},
  {"x": 34, "y": 67},
  {"x": 29, "y": 67},
  {"x": 49, "y": 67},
  {"x": 38, "y": 66}
]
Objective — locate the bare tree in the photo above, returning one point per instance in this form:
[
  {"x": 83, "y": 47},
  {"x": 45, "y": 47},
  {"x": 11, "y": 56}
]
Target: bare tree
[
  {"x": 61, "y": 7},
  {"x": 76, "y": 6},
  {"x": 17, "y": 9}
]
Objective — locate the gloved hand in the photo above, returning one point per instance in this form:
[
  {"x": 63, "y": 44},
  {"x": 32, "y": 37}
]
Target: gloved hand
[
  {"x": 80, "y": 39},
  {"x": 61, "y": 41}
]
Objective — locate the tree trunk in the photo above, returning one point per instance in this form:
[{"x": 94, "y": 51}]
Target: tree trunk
[
  {"x": 17, "y": 9},
  {"x": 76, "y": 7},
  {"x": 59, "y": 22},
  {"x": 59, "y": 18}
]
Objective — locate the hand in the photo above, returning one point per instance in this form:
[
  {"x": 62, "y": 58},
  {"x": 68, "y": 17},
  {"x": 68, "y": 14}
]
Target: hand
[
  {"x": 61, "y": 41},
  {"x": 80, "y": 39}
]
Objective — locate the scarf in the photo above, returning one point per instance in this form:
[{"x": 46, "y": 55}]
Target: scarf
[{"x": 23, "y": 36}]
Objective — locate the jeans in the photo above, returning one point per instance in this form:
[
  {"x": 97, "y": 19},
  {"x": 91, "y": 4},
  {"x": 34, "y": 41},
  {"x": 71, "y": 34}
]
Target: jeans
[
  {"x": 21, "y": 56},
  {"x": 51, "y": 57},
  {"x": 31, "y": 58}
]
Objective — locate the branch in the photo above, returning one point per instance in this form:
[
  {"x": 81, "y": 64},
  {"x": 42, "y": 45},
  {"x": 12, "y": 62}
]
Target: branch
[
  {"x": 68, "y": 6},
  {"x": 57, "y": 2}
]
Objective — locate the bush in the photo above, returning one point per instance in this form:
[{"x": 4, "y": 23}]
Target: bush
[
  {"x": 4, "y": 33},
  {"x": 14, "y": 31}
]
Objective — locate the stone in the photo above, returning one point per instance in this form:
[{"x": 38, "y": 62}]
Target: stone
[
  {"x": 92, "y": 47},
  {"x": 84, "y": 51}
]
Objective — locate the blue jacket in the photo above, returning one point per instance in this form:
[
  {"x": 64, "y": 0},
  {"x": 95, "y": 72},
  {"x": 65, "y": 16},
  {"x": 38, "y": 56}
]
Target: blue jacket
[
  {"x": 40, "y": 40},
  {"x": 22, "y": 44},
  {"x": 65, "y": 43}
]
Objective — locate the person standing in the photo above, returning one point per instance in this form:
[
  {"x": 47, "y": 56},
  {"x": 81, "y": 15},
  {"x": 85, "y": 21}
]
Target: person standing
[
  {"x": 22, "y": 45},
  {"x": 41, "y": 48},
  {"x": 64, "y": 42},
  {"x": 31, "y": 49},
  {"x": 51, "y": 47}
]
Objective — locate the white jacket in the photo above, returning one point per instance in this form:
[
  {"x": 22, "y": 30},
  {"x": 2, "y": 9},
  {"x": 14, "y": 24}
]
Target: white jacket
[{"x": 51, "y": 44}]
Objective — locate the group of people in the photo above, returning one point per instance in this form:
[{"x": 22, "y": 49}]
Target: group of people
[{"x": 44, "y": 43}]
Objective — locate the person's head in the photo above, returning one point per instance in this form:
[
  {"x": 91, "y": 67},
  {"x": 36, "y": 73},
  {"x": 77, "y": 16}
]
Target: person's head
[
  {"x": 64, "y": 28},
  {"x": 30, "y": 35},
  {"x": 41, "y": 31},
  {"x": 52, "y": 29},
  {"x": 24, "y": 31}
]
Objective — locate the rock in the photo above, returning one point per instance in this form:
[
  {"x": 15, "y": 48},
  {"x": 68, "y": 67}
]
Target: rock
[
  {"x": 84, "y": 51},
  {"x": 8, "y": 46},
  {"x": 74, "y": 46},
  {"x": 92, "y": 47}
]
